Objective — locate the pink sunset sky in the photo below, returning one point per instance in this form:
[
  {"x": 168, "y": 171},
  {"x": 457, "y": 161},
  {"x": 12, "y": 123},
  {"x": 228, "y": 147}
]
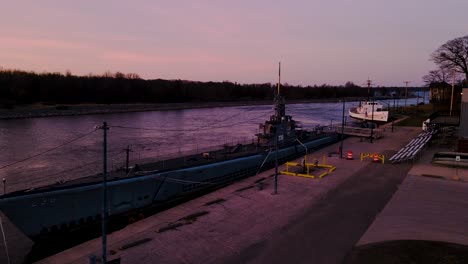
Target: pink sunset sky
[{"x": 317, "y": 41}]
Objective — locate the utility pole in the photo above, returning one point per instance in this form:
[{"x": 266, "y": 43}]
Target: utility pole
[
  {"x": 453, "y": 88},
  {"x": 4, "y": 186},
  {"x": 406, "y": 91},
  {"x": 372, "y": 123},
  {"x": 342, "y": 130},
  {"x": 104, "y": 127},
  {"x": 276, "y": 161}
]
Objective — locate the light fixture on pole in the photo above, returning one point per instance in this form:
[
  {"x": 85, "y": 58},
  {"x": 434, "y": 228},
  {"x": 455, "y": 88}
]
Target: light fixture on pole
[
  {"x": 104, "y": 127},
  {"x": 372, "y": 122}
]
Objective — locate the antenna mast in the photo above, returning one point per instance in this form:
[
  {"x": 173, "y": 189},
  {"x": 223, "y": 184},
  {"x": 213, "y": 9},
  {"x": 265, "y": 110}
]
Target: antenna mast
[
  {"x": 279, "y": 77},
  {"x": 280, "y": 109},
  {"x": 279, "y": 113}
]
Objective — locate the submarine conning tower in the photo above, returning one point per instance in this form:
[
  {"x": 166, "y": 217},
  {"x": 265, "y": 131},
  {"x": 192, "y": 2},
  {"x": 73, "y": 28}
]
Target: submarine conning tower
[{"x": 281, "y": 124}]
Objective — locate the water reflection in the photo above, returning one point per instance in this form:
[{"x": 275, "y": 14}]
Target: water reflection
[{"x": 149, "y": 134}]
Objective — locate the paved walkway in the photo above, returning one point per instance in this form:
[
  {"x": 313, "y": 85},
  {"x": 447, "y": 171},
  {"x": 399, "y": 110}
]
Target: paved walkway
[
  {"x": 250, "y": 224},
  {"x": 431, "y": 204},
  {"x": 423, "y": 209},
  {"x": 326, "y": 231}
]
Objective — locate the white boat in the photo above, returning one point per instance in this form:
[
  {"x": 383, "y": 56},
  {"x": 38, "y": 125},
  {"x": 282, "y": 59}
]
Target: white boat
[{"x": 369, "y": 111}]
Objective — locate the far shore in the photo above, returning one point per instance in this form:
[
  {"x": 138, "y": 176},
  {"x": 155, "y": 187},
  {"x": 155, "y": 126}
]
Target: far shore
[{"x": 48, "y": 110}]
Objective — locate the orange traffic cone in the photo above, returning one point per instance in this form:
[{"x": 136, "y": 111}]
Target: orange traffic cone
[
  {"x": 349, "y": 156},
  {"x": 376, "y": 158}
]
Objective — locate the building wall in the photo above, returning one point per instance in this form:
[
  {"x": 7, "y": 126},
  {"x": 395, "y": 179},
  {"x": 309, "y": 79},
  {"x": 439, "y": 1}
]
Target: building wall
[
  {"x": 440, "y": 92},
  {"x": 463, "y": 132}
]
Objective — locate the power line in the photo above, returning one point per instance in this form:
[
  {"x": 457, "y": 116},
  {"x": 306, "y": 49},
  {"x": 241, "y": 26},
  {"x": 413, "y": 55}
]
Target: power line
[
  {"x": 188, "y": 130},
  {"x": 81, "y": 166},
  {"x": 230, "y": 117},
  {"x": 248, "y": 120},
  {"x": 203, "y": 127},
  {"x": 49, "y": 150}
]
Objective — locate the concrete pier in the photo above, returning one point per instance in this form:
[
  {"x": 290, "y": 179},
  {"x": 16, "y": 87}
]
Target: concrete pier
[
  {"x": 310, "y": 220},
  {"x": 341, "y": 218}
]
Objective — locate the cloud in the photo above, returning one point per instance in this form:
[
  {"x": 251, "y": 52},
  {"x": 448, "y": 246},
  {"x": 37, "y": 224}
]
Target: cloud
[
  {"x": 172, "y": 57},
  {"x": 49, "y": 43}
]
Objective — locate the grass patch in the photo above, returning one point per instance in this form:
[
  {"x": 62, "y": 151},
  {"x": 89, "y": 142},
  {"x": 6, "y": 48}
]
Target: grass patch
[{"x": 417, "y": 115}]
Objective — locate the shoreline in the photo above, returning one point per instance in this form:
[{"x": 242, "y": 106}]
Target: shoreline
[{"x": 42, "y": 110}]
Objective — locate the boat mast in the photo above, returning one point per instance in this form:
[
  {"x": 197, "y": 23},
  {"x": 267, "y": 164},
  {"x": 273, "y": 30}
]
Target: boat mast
[
  {"x": 279, "y": 78},
  {"x": 369, "y": 83}
]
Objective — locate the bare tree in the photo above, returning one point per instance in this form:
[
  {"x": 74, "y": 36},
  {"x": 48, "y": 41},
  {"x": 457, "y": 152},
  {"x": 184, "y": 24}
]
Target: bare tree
[
  {"x": 440, "y": 75},
  {"x": 453, "y": 55}
]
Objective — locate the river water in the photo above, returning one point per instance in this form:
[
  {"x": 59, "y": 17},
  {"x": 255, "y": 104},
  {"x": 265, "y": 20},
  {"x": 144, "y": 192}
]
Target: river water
[{"x": 150, "y": 135}]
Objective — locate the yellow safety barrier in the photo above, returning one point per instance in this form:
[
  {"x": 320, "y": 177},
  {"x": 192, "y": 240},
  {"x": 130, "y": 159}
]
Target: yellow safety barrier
[
  {"x": 374, "y": 156},
  {"x": 306, "y": 169}
]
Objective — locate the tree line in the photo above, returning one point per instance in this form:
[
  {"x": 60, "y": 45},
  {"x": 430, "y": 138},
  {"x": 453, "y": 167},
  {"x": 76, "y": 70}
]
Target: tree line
[{"x": 21, "y": 87}]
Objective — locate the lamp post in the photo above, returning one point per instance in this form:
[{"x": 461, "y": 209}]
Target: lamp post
[
  {"x": 372, "y": 123},
  {"x": 393, "y": 117},
  {"x": 104, "y": 127},
  {"x": 306, "y": 150},
  {"x": 276, "y": 161}
]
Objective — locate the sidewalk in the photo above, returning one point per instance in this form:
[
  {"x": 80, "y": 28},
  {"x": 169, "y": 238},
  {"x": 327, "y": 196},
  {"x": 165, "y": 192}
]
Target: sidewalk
[
  {"x": 430, "y": 205},
  {"x": 427, "y": 215}
]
